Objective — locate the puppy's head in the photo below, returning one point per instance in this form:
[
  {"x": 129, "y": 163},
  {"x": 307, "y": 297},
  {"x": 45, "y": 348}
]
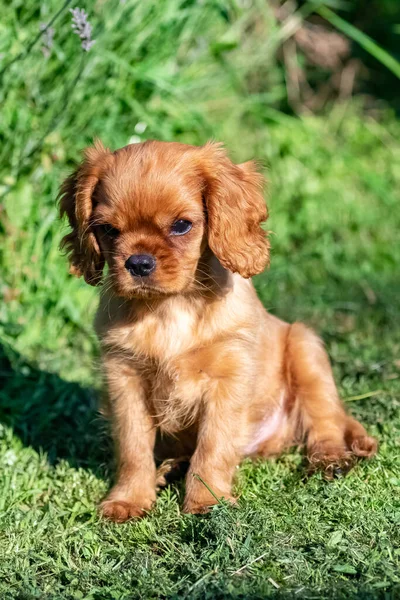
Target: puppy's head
[{"x": 151, "y": 210}]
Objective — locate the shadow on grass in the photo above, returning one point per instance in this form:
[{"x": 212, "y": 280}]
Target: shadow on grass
[
  {"x": 61, "y": 417},
  {"x": 339, "y": 592},
  {"x": 52, "y": 415}
]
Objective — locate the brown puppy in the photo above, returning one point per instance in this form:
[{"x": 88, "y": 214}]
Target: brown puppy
[{"x": 188, "y": 349}]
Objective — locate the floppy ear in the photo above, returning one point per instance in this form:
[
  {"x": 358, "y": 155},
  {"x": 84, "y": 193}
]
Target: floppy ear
[
  {"x": 76, "y": 201},
  {"x": 235, "y": 209}
]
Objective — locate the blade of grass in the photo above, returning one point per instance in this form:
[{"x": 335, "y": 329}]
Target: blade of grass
[
  {"x": 207, "y": 486},
  {"x": 364, "y": 396},
  {"x": 249, "y": 563},
  {"x": 361, "y": 38}
]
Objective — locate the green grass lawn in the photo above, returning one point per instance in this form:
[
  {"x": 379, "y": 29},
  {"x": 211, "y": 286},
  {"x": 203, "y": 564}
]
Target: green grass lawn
[{"x": 334, "y": 197}]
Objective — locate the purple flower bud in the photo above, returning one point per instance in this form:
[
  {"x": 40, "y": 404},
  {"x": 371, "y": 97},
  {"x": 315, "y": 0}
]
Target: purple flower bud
[{"x": 82, "y": 27}]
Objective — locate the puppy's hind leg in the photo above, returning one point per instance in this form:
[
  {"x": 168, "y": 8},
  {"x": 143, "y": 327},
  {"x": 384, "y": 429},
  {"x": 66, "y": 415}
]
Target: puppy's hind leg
[{"x": 334, "y": 439}]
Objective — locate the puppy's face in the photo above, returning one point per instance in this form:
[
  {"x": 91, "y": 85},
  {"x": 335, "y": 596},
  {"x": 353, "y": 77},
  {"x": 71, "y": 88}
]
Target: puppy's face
[
  {"x": 149, "y": 222},
  {"x": 150, "y": 211}
]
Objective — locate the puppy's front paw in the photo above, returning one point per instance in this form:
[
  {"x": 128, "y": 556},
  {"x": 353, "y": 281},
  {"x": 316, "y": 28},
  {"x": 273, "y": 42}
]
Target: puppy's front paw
[
  {"x": 202, "y": 507},
  {"x": 120, "y": 511},
  {"x": 195, "y": 508},
  {"x": 331, "y": 459}
]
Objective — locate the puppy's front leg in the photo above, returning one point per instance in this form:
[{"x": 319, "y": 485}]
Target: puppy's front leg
[
  {"x": 134, "y": 436},
  {"x": 220, "y": 441}
]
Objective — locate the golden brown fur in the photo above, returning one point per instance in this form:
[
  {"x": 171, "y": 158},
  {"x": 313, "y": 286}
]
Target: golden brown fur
[{"x": 190, "y": 352}]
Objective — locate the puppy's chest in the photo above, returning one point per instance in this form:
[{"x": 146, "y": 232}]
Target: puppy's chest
[
  {"x": 176, "y": 393},
  {"x": 167, "y": 354},
  {"x": 162, "y": 338}
]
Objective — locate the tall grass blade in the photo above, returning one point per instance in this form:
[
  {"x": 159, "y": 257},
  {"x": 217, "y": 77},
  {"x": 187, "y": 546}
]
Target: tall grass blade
[{"x": 361, "y": 38}]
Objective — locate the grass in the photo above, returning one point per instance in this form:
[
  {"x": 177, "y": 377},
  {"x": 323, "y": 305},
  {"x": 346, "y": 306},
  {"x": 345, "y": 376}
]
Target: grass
[{"x": 334, "y": 198}]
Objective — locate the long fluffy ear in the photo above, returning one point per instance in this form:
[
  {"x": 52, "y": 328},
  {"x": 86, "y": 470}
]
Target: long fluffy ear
[
  {"x": 76, "y": 201},
  {"x": 235, "y": 208}
]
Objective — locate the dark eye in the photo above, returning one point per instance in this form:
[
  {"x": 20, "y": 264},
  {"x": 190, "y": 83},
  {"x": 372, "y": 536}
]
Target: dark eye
[
  {"x": 181, "y": 227},
  {"x": 110, "y": 230}
]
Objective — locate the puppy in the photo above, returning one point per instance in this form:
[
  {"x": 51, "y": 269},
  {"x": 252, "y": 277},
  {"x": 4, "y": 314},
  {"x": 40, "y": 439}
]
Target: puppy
[{"x": 194, "y": 364}]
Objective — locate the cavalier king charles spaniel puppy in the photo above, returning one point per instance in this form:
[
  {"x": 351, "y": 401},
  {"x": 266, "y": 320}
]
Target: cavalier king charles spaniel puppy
[{"x": 194, "y": 365}]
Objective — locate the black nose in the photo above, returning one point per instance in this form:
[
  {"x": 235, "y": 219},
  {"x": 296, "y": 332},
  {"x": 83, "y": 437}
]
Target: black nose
[{"x": 140, "y": 265}]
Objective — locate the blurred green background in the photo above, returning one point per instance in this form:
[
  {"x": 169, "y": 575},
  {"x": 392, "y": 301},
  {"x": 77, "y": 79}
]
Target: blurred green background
[{"x": 311, "y": 89}]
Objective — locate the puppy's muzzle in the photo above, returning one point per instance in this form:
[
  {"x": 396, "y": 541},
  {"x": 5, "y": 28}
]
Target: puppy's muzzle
[{"x": 140, "y": 265}]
